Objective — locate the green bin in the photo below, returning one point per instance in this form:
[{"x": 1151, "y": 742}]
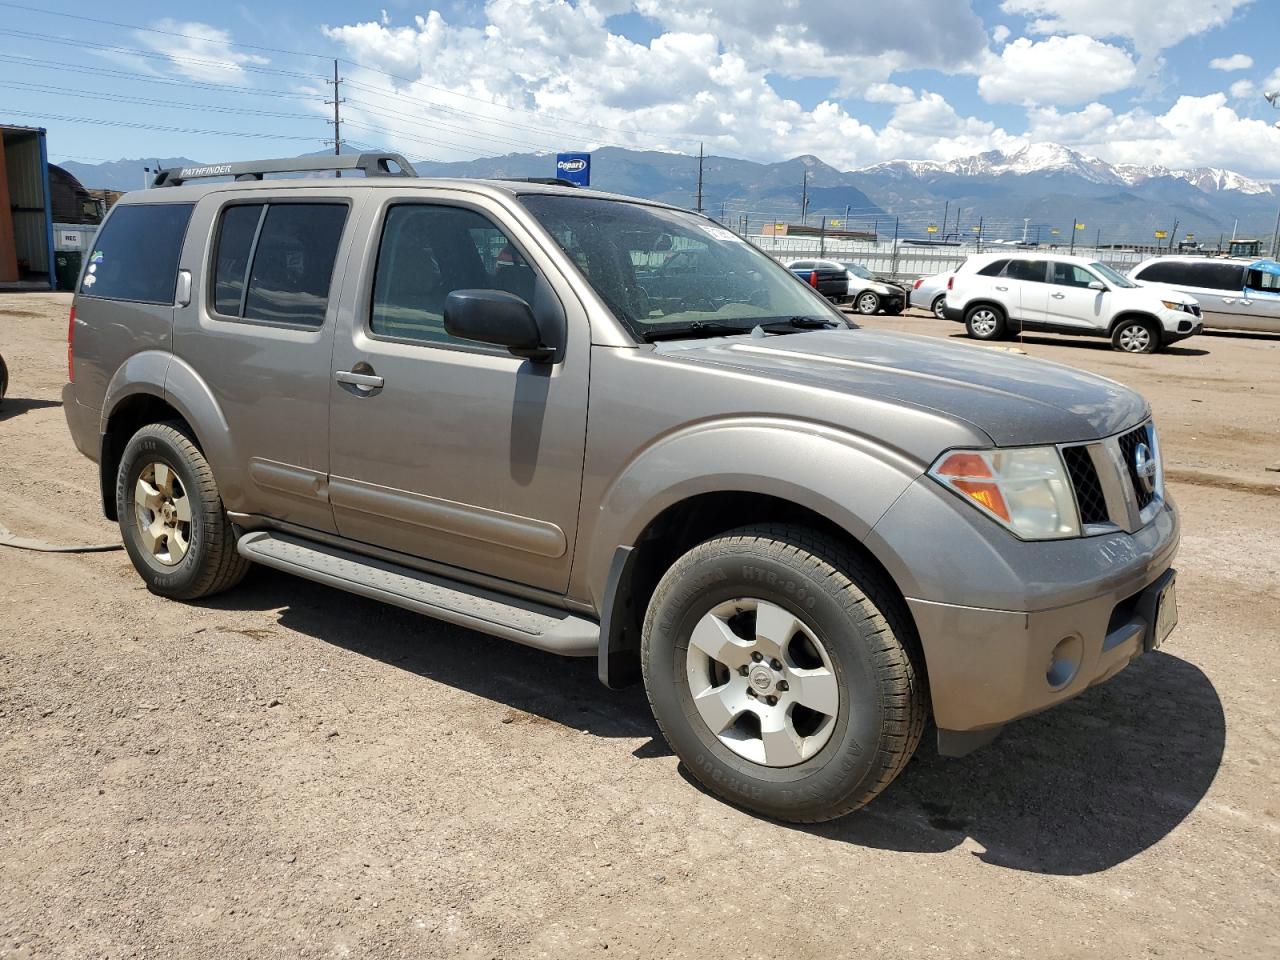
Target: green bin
[{"x": 67, "y": 268}]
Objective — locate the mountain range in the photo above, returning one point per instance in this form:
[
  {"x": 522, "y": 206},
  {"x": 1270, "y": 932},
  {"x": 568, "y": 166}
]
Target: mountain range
[{"x": 1038, "y": 189}]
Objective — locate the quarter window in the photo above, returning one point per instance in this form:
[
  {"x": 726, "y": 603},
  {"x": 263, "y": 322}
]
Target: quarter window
[
  {"x": 1217, "y": 276},
  {"x": 275, "y": 261},
  {"x": 1265, "y": 282},
  {"x": 135, "y": 256},
  {"x": 993, "y": 269},
  {"x": 429, "y": 251}
]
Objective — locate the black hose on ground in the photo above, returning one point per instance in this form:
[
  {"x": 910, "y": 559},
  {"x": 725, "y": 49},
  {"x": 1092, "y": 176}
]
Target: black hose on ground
[{"x": 9, "y": 539}]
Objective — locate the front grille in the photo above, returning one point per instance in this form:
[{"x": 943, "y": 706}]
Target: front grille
[
  {"x": 1128, "y": 444},
  {"x": 1088, "y": 488}
]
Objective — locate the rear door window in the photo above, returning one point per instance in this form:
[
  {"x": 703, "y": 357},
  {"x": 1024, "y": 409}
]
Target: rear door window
[
  {"x": 1170, "y": 271},
  {"x": 274, "y": 261},
  {"x": 1032, "y": 271},
  {"x": 135, "y": 256}
]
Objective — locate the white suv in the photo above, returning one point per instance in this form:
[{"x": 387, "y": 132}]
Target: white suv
[{"x": 997, "y": 295}]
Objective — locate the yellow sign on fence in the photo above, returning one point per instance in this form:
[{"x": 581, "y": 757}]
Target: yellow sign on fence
[
  {"x": 932, "y": 228},
  {"x": 1162, "y": 234}
]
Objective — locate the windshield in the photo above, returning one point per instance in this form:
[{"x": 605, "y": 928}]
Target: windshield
[
  {"x": 665, "y": 272},
  {"x": 1117, "y": 279},
  {"x": 858, "y": 270}
]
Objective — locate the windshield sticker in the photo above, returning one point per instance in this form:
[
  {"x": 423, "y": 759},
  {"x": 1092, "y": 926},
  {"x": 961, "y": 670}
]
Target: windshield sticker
[
  {"x": 97, "y": 257},
  {"x": 720, "y": 233}
]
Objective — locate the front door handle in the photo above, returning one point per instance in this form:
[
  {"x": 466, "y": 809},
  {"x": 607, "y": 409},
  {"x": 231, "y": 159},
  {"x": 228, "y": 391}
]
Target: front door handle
[
  {"x": 1002, "y": 289},
  {"x": 362, "y": 381},
  {"x": 1058, "y": 296}
]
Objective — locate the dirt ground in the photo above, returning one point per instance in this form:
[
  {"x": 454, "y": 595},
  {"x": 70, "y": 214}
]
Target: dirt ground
[{"x": 290, "y": 771}]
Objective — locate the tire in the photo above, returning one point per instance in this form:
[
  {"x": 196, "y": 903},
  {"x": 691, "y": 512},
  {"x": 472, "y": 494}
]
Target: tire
[
  {"x": 867, "y": 688},
  {"x": 163, "y": 477},
  {"x": 1136, "y": 336},
  {"x": 986, "y": 322},
  {"x": 4, "y": 379},
  {"x": 867, "y": 303},
  {"x": 939, "y": 302}
]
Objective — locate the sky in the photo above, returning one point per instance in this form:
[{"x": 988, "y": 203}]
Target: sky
[{"x": 1171, "y": 82}]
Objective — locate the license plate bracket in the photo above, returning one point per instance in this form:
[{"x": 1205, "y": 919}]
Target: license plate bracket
[{"x": 1166, "y": 615}]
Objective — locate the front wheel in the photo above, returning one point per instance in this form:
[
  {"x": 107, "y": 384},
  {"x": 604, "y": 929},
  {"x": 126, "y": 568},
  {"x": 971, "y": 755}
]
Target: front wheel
[
  {"x": 867, "y": 303},
  {"x": 777, "y": 664},
  {"x": 985, "y": 322},
  {"x": 1136, "y": 336},
  {"x": 171, "y": 517}
]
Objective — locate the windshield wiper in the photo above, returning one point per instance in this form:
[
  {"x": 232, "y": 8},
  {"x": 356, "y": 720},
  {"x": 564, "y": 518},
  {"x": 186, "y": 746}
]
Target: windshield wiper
[
  {"x": 797, "y": 323},
  {"x": 697, "y": 328}
]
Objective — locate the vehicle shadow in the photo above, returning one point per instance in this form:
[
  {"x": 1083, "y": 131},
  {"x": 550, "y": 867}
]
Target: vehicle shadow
[
  {"x": 1073, "y": 791},
  {"x": 563, "y": 690},
  {"x": 15, "y": 407},
  {"x": 1084, "y": 343}
]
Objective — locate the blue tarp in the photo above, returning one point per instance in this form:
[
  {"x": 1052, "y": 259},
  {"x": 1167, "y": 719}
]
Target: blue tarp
[{"x": 1266, "y": 266}]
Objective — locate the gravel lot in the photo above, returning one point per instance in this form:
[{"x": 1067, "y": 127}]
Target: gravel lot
[{"x": 290, "y": 771}]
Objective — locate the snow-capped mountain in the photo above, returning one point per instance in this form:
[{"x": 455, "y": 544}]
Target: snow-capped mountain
[{"x": 1054, "y": 158}]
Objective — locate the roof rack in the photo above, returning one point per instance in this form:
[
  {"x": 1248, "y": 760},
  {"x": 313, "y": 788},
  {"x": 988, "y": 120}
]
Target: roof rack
[
  {"x": 548, "y": 181},
  {"x": 373, "y": 165}
]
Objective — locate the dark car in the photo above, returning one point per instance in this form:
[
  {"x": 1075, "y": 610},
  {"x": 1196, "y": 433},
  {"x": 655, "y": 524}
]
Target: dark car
[
  {"x": 4, "y": 379},
  {"x": 829, "y": 279}
]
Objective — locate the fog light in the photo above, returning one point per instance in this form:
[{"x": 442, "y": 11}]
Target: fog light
[{"x": 1064, "y": 662}]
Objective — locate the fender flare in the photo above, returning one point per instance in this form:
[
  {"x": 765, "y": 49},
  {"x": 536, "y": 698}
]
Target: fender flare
[{"x": 849, "y": 479}]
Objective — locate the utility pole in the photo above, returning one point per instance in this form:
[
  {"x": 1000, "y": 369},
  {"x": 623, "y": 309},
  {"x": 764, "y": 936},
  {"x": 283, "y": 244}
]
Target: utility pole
[
  {"x": 1173, "y": 233},
  {"x": 804, "y": 196},
  {"x": 946, "y": 212},
  {"x": 1026, "y": 223},
  {"x": 822, "y": 238},
  {"x": 1074, "y": 221},
  {"x": 699, "y": 177},
  {"x": 337, "y": 114},
  {"x": 1097, "y": 240},
  {"x": 980, "y": 226},
  {"x": 1275, "y": 239}
]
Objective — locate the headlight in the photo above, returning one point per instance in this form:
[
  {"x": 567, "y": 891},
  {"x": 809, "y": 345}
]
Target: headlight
[
  {"x": 1170, "y": 305},
  {"x": 1024, "y": 488}
]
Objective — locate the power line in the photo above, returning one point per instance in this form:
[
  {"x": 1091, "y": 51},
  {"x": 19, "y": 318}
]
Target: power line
[
  {"x": 151, "y": 78},
  {"x": 94, "y": 95},
  {"x": 160, "y": 127}
]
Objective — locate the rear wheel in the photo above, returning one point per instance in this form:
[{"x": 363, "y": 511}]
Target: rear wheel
[
  {"x": 939, "y": 302},
  {"x": 1136, "y": 336},
  {"x": 4, "y": 379},
  {"x": 985, "y": 322},
  {"x": 171, "y": 517},
  {"x": 776, "y": 664},
  {"x": 867, "y": 302}
]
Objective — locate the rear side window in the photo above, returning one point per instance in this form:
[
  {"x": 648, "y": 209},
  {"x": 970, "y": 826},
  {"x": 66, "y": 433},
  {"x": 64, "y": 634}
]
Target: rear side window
[
  {"x": 274, "y": 262},
  {"x": 135, "y": 256},
  {"x": 1267, "y": 282},
  {"x": 1029, "y": 270},
  {"x": 993, "y": 268},
  {"x": 1217, "y": 276}
]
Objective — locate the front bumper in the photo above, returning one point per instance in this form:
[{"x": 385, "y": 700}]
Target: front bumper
[{"x": 992, "y": 611}]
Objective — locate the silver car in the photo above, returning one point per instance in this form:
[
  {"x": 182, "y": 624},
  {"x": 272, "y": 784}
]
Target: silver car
[
  {"x": 868, "y": 293},
  {"x": 1235, "y": 293},
  {"x": 930, "y": 293},
  {"x": 605, "y": 427}
]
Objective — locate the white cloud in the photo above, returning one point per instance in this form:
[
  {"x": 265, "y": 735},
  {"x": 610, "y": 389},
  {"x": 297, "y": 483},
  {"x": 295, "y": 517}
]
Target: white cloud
[
  {"x": 1059, "y": 70},
  {"x": 1243, "y": 88},
  {"x": 552, "y": 76},
  {"x": 1237, "y": 61},
  {"x": 201, "y": 52},
  {"x": 1151, "y": 25},
  {"x": 1001, "y": 33},
  {"x": 1194, "y": 132},
  {"x": 888, "y": 93}
]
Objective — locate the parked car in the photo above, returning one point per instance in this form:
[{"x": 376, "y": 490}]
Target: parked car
[
  {"x": 868, "y": 293},
  {"x": 1236, "y": 293},
  {"x": 828, "y": 278},
  {"x": 930, "y": 293},
  {"x": 996, "y": 295},
  {"x": 486, "y": 402}
]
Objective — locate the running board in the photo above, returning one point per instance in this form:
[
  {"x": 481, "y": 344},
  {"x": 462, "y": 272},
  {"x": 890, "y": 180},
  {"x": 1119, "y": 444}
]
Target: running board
[{"x": 534, "y": 625}]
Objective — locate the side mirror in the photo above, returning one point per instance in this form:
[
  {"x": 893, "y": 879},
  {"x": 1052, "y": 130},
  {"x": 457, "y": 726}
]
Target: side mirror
[
  {"x": 1097, "y": 285},
  {"x": 494, "y": 316}
]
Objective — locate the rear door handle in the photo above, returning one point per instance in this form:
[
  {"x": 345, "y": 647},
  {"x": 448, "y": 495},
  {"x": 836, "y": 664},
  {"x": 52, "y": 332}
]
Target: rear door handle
[
  {"x": 1058, "y": 296},
  {"x": 1003, "y": 289},
  {"x": 365, "y": 381}
]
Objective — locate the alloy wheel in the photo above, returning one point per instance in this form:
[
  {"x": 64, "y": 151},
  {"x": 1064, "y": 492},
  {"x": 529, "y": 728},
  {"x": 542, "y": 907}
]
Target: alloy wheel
[
  {"x": 984, "y": 322},
  {"x": 1135, "y": 338},
  {"x": 163, "y": 514},
  {"x": 762, "y": 682}
]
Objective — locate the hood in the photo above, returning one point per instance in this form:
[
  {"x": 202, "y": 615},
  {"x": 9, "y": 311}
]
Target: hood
[
  {"x": 1015, "y": 400},
  {"x": 1163, "y": 290}
]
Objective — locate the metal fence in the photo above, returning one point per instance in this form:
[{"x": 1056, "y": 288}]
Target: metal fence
[{"x": 904, "y": 261}]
